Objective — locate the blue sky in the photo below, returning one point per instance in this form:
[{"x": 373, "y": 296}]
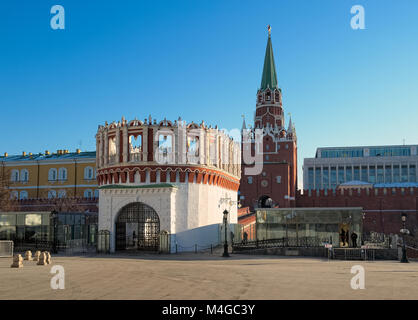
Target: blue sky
[{"x": 202, "y": 60}]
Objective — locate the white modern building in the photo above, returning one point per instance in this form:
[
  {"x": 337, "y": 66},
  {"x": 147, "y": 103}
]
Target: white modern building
[{"x": 380, "y": 166}]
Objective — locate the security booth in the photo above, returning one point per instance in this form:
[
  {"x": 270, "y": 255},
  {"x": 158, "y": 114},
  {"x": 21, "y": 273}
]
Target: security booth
[{"x": 310, "y": 227}]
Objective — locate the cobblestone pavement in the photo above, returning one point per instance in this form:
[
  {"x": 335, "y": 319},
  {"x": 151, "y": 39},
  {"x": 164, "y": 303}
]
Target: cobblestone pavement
[{"x": 205, "y": 276}]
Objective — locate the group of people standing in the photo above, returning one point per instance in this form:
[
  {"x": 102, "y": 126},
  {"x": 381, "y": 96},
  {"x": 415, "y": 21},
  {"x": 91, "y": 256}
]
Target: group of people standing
[{"x": 344, "y": 238}]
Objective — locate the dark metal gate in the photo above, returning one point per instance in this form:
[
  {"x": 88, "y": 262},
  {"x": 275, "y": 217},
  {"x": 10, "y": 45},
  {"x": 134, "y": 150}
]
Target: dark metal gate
[
  {"x": 137, "y": 228},
  {"x": 120, "y": 235}
]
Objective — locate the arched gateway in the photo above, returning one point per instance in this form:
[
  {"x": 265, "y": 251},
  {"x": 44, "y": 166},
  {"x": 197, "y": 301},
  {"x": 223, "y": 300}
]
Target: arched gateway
[{"x": 137, "y": 228}]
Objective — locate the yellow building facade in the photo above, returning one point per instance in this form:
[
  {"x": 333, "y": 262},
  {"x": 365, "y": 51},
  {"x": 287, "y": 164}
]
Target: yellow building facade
[{"x": 62, "y": 174}]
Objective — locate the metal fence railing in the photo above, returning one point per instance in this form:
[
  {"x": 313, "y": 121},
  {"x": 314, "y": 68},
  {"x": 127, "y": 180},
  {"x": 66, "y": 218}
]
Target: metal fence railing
[
  {"x": 377, "y": 240},
  {"x": 41, "y": 245},
  {"x": 410, "y": 241},
  {"x": 353, "y": 254},
  {"x": 196, "y": 248},
  {"x": 77, "y": 246},
  {"x": 304, "y": 242},
  {"x": 6, "y": 248},
  {"x": 74, "y": 246}
]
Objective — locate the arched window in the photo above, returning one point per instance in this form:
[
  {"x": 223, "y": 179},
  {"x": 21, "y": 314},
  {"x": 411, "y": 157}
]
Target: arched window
[
  {"x": 135, "y": 143},
  {"x": 52, "y": 194},
  {"x": 268, "y": 96},
  {"x": 23, "y": 195},
  {"x": 14, "y": 195},
  {"x": 15, "y": 175},
  {"x": 24, "y": 175},
  {"x": 52, "y": 174},
  {"x": 88, "y": 193},
  {"x": 250, "y": 180},
  {"x": 88, "y": 173},
  {"x": 165, "y": 142},
  {"x": 193, "y": 145},
  {"x": 62, "y": 174},
  {"x": 62, "y": 194}
]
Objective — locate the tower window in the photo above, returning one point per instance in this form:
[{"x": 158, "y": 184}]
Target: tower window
[
  {"x": 250, "y": 180},
  {"x": 278, "y": 179}
]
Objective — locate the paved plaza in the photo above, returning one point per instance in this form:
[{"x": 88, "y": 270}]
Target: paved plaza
[{"x": 205, "y": 276}]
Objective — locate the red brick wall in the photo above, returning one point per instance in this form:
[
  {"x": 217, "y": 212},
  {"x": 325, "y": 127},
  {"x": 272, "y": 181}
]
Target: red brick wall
[
  {"x": 284, "y": 165},
  {"x": 412, "y": 253},
  {"x": 382, "y": 211}
]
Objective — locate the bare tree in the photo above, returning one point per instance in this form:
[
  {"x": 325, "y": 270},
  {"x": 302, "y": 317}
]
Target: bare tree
[
  {"x": 65, "y": 204},
  {"x": 6, "y": 203}
]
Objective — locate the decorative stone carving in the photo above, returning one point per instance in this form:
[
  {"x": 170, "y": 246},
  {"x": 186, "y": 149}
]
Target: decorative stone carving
[
  {"x": 42, "y": 259},
  {"x": 36, "y": 256},
  {"x": 17, "y": 261},
  {"x": 28, "y": 255},
  {"x": 48, "y": 257}
]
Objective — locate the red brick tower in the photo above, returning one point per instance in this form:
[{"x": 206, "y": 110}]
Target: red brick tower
[{"x": 277, "y": 179}]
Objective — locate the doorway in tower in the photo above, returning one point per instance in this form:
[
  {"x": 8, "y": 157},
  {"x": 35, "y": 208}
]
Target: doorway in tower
[
  {"x": 137, "y": 228},
  {"x": 265, "y": 202}
]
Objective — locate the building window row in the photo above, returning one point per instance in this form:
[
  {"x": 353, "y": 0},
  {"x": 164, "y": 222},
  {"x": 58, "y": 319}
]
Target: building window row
[
  {"x": 88, "y": 193},
  {"x": 22, "y": 195},
  {"x": 60, "y": 174},
  {"x": 398, "y": 151},
  {"x": 330, "y": 177},
  {"x": 90, "y": 173},
  {"x": 342, "y": 153},
  {"x": 390, "y": 152},
  {"x": 14, "y": 195},
  {"x": 19, "y": 176}
]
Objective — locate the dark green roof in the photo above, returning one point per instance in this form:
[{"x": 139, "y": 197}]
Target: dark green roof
[{"x": 269, "y": 79}]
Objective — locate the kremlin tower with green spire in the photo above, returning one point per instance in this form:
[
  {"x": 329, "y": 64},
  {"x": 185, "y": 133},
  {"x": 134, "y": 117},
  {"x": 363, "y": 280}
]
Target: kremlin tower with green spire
[{"x": 276, "y": 185}]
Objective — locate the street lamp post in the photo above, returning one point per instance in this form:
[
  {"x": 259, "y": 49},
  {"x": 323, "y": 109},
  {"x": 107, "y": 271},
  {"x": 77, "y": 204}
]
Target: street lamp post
[
  {"x": 225, "y": 254},
  {"x": 55, "y": 230},
  {"x": 404, "y": 232},
  {"x": 362, "y": 229},
  {"x": 229, "y": 202}
]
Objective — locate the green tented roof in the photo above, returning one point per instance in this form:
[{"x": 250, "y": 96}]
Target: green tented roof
[{"x": 269, "y": 79}]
